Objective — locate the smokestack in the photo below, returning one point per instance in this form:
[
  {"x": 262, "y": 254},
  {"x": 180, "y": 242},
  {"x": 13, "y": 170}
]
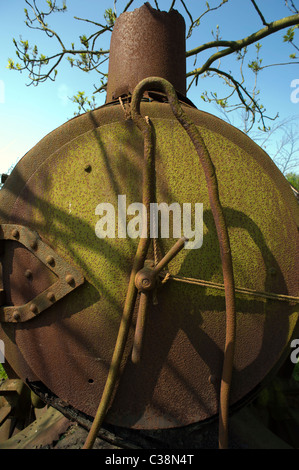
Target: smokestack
[{"x": 146, "y": 43}]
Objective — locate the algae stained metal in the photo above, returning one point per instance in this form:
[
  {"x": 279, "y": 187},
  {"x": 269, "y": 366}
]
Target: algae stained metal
[{"x": 67, "y": 348}]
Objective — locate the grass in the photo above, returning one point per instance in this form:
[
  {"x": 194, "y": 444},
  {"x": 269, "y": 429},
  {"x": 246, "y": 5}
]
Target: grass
[
  {"x": 295, "y": 374},
  {"x": 3, "y": 374}
]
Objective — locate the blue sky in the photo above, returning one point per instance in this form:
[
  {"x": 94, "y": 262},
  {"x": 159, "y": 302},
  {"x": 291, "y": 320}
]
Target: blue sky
[{"x": 27, "y": 114}]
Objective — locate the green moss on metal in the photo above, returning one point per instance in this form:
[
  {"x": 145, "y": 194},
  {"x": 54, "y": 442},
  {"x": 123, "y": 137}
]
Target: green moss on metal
[{"x": 64, "y": 197}]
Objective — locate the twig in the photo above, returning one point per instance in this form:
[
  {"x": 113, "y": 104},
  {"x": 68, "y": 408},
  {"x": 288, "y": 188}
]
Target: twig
[
  {"x": 259, "y": 13},
  {"x": 128, "y": 5},
  {"x": 172, "y": 5},
  {"x": 241, "y": 43},
  {"x": 187, "y": 11},
  {"x": 197, "y": 21},
  {"x": 93, "y": 22},
  {"x": 238, "y": 87}
]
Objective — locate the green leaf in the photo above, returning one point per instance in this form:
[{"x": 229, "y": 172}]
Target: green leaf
[
  {"x": 289, "y": 36},
  {"x": 84, "y": 40},
  {"x": 295, "y": 373},
  {"x": 10, "y": 64},
  {"x": 110, "y": 16},
  {"x": 293, "y": 179},
  {"x": 43, "y": 59},
  {"x": 3, "y": 374}
]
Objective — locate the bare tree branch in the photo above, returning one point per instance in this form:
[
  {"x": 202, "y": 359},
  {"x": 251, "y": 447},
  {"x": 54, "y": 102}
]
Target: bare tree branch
[
  {"x": 172, "y": 5},
  {"x": 235, "y": 46},
  {"x": 128, "y": 5},
  {"x": 93, "y": 22},
  {"x": 90, "y": 57},
  {"x": 278, "y": 65},
  {"x": 259, "y": 13},
  {"x": 187, "y": 11},
  {"x": 197, "y": 21},
  {"x": 292, "y": 7},
  {"x": 253, "y": 105}
]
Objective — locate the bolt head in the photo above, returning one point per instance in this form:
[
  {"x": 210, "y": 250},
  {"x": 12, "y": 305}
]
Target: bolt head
[
  {"x": 213, "y": 379},
  {"x": 33, "y": 308},
  {"x": 51, "y": 296},
  {"x": 15, "y": 233},
  {"x": 28, "y": 273},
  {"x": 16, "y": 316},
  {"x": 33, "y": 244},
  {"x": 50, "y": 260},
  {"x": 69, "y": 279},
  {"x": 145, "y": 280}
]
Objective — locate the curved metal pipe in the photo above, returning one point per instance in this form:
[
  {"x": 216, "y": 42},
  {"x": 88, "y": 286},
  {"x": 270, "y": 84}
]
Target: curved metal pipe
[{"x": 159, "y": 84}]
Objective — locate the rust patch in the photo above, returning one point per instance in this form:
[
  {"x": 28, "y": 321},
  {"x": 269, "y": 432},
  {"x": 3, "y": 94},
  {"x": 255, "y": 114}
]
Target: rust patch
[{"x": 135, "y": 52}]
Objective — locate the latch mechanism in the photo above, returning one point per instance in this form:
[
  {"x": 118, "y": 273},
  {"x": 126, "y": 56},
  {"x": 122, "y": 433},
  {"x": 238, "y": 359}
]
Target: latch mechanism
[{"x": 68, "y": 277}]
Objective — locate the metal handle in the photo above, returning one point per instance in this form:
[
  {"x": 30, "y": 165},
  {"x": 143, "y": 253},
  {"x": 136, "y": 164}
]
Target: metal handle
[{"x": 145, "y": 282}]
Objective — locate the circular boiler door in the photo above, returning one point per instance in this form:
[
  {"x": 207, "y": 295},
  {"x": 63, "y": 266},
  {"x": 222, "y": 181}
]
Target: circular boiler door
[{"x": 97, "y": 158}]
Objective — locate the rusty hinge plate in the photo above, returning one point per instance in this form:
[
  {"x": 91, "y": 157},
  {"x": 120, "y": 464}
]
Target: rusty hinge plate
[{"x": 68, "y": 277}]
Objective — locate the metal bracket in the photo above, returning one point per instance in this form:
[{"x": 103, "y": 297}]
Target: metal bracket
[{"x": 68, "y": 277}]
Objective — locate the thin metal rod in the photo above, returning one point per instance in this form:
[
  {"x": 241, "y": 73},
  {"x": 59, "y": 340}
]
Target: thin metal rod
[
  {"x": 119, "y": 347},
  {"x": 144, "y": 301},
  {"x": 140, "y": 326},
  {"x": 138, "y": 263},
  {"x": 179, "y": 245}
]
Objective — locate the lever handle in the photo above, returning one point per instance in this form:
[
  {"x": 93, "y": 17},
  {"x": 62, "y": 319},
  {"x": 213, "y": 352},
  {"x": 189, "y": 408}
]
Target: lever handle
[
  {"x": 140, "y": 327},
  {"x": 177, "y": 247},
  {"x": 145, "y": 281}
]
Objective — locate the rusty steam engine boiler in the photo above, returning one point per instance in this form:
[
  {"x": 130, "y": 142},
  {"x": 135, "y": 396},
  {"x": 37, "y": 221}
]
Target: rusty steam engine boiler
[{"x": 141, "y": 333}]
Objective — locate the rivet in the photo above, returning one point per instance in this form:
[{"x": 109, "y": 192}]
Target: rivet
[
  {"x": 16, "y": 315},
  {"x": 50, "y": 260},
  {"x": 33, "y": 308},
  {"x": 145, "y": 282},
  {"x": 51, "y": 296},
  {"x": 212, "y": 379},
  {"x": 28, "y": 273},
  {"x": 69, "y": 279},
  {"x": 15, "y": 233},
  {"x": 87, "y": 168},
  {"x": 33, "y": 244}
]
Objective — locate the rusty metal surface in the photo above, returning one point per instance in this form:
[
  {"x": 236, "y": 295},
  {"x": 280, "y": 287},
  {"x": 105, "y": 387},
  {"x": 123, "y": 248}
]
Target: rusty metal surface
[
  {"x": 212, "y": 187},
  {"x": 135, "y": 52},
  {"x": 69, "y": 347},
  {"x": 68, "y": 277}
]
